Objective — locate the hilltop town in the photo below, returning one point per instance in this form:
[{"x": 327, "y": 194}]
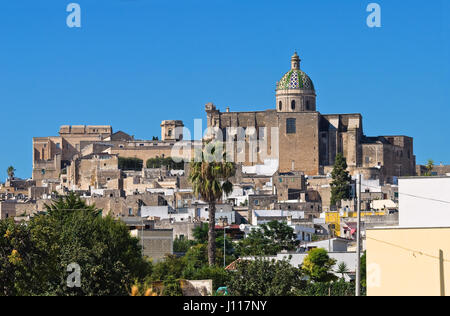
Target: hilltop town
[{"x": 290, "y": 180}]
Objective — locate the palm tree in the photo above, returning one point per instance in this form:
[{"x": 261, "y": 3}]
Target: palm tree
[
  {"x": 429, "y": 166},
  {"x": 210, "y": 180},
  {"x": 342, "y": 269},
  {"x": 10, "y": 172}
]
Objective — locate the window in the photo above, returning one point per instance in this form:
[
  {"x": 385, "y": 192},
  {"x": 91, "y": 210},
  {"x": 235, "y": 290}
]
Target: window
[
  {"x": 130, "y": 211},
  {"x": 169, "y": 133},
  {"x": 58, "y": 146},
  {"x": 256, "y": 202},
  {"x": 262, "y": 133},
  {"x": 280, "y": 105},
  {"x": 293, "y": 105},
  {"x": 291, "y": 126},
  {"x": 307, "y": 105}
]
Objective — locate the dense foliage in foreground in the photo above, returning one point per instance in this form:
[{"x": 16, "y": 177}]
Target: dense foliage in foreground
[{"x": 34, "y": 257}]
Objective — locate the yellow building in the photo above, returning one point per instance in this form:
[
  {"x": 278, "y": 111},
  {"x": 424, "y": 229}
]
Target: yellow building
[
  {"x": 334, "y": 218},
  {"x": 408, "y": 261}
]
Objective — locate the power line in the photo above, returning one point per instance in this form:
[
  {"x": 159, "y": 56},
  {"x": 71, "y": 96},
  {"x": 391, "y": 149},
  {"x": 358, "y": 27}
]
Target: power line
[
  {"x": 418, "y": 252},
  {"x": 412, "y": 195}
]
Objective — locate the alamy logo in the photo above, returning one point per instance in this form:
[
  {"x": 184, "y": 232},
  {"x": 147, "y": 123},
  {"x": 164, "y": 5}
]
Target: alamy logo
[
  {"x": 374, "y": 18},
  {"x": 232, "y": 144},
  {"x": 74, "y": 18},
  {"x": 74, "y": 278},
  {"x": 374, "y": 275}
]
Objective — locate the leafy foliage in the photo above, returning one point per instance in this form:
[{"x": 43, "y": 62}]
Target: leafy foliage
[
  {"x": 168, "y": 162},
  {"x": 17, "y": 259},
  {"x": 262, "y": 277},
  {"x": 340, "y": 288},
  {"x": 71, "y": 232},
  {"x": 340, "y": 186},
  {"x": 269, "y": 239},
  {"x": 129, "y": 164},
  {"x": 182, "y": 244},
  {"x": 172, "y": 287},
  {"x": 342, "y": 269},
  {"x": 318, "y": 266},
  {"x": 170, "y": 267}
]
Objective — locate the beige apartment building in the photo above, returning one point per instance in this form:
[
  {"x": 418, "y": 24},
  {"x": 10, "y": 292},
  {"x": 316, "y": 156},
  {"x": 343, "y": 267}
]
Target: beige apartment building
[{"x": 408, "y": 261}]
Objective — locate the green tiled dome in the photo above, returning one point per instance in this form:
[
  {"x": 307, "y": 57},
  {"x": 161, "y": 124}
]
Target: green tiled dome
[{"x": 295, "y": 79}]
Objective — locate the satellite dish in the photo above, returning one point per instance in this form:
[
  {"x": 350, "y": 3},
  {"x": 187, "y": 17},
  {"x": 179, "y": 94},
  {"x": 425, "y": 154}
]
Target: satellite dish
[{"x": 242, "y": 227}]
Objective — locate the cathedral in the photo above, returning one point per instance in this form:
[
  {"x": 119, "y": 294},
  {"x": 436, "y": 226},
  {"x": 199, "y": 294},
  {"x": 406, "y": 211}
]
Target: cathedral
[{"x": 308, "y": 141}]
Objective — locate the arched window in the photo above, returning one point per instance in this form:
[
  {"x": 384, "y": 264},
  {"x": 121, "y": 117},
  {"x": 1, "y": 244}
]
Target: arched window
[
  {"x": 307, "y": 105},
  {"x": 293, "y": 105},
  {"x": 280, "y": 105}
]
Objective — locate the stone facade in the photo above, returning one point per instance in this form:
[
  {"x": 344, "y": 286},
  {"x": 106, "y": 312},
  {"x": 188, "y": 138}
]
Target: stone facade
[
  {"x": 157, "y": 243},
  {"x": 52, "y": 155},
  {"x": 7, "y": 209}
]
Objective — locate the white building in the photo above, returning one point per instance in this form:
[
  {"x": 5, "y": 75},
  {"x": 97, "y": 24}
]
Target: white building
[
  {"x": 264, "y": 216},
  {"x": 303, "y": 233},
  {"x": 424, "y": 202},
  {"x": 330, "y": 245},
  {"x": 167, "y": 212}
]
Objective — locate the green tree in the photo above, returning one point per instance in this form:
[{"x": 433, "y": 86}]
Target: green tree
[
  {"x": 429, "y": 167},
  {"x": 200, "y": 233},
  {"x": 72, "y": 232},
  {"x": 262, "y": 277},
  {"x": 218, "y": 275},
  {"x": 342, "y": 269},
  {"x": 269, "y": 239},
  {"x": 318, "y": 266},
  {"x": 170, "y": 267},
  {"x": 168, "y": 162},
  {"x": 210, "y": 177},
  {"x": 339, "y": 288},
  {"x": 182, "y": 244},
  {"x": 172, "y": 287},
  {"x": 340, "y": 186},
  {"x": 130, "y": 164},
  {"x": 18, "y": 259},
  {"x": 10, "y": 171}
]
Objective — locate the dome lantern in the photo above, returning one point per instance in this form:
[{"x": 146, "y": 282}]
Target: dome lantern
[{"x": 295, "y": 91}]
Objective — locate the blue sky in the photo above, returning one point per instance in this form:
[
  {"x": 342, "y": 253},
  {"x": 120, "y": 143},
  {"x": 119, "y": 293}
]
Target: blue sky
[{"x": 135, "y": 63}]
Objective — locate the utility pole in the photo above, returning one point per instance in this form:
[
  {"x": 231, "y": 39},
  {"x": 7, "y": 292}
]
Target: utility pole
[
  {"x": 142, "y": 237},
  {"x": 224, "y": 250},
  {"x": 358, "y": 237}
]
